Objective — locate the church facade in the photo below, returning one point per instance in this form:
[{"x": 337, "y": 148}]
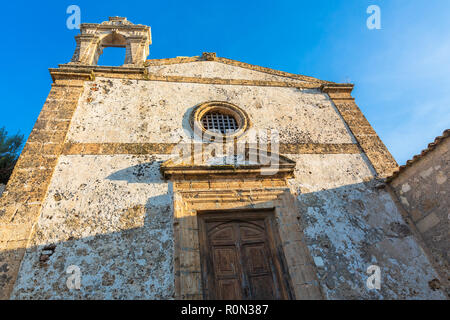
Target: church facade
[{"x": 203, "y": 178}]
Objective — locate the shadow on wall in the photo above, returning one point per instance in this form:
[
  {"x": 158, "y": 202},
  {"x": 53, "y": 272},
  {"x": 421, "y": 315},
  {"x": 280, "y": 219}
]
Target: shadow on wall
[
  {"x": 135, "y": 260},
  {"x": 352, "y": 227},
  {"x": 138, "y": 174}
]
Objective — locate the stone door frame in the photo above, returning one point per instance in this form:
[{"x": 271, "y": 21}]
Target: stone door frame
[{"x": 218, "y": 195}]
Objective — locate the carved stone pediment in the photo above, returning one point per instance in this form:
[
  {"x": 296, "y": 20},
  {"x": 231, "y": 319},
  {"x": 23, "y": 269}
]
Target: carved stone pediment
[{"x": 253, "y": 163}]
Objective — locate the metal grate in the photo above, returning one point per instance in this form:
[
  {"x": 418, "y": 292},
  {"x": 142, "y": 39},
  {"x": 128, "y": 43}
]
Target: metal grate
[{"x": 220, "y": 123}]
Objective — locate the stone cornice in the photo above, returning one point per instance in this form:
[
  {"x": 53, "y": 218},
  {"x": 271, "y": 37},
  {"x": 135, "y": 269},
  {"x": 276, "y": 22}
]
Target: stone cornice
[
  {"x": 141, "y": 73},
  {"x": 226, "y": 171},
  {"x": 185, "y": 168},
  {"x": 337, "y": 87},
  {"x": 71, "y": 74},
  {"x": 99, "y": 69},
  {"x": 87, "y": 72},
  {"x": 108, "y": 27}
]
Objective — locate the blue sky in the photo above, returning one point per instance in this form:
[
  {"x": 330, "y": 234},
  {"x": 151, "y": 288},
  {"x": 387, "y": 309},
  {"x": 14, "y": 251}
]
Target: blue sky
[{"x": 401, "y": 72}]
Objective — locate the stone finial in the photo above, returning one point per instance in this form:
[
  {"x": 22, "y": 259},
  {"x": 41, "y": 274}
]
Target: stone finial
[
  {"x": 116, "y": 32},
  {"x": 209, "y": 56}
]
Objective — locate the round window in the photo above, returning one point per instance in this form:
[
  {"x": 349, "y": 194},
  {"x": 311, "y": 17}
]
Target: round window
[
  {"x": 218, "y": 118},
  {"x": 220, "y": 123}
]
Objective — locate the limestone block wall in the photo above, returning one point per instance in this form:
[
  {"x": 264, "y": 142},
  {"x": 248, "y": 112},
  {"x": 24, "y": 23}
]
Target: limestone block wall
[
  {"x": 349, "y": 224},
  {"x": 135, "y": 111},
  {"x": 423, "y": 190},
  {"x": 112, "y": 217},
  {"x": 21, "y": 202}
]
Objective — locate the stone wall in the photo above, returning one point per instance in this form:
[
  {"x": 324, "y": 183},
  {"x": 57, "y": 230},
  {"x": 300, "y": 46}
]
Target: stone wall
[
  {"x": 133, "y": 111},
  {"x": 112, "y": 217},
  {"x": 108, "y": 211},
  {"x": 21, "y": 202},
  {"x": 350, "y": 224},
  {"x": 2, "y": 188},
  {"x": 423, "y": 189}
]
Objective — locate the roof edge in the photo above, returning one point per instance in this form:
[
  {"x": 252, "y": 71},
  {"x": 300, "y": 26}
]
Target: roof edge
[
  {"x": 437, "y": 141},
  {"x": 211, "y": 56}
]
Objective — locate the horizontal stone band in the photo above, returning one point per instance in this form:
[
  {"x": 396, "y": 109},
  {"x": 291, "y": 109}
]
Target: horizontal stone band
[{"x": 166, "y": 148}]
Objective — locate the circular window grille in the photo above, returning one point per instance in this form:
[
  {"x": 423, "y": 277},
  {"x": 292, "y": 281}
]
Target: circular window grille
[
  {"x": 220, "y": 123},
  {"x": 219, "y": 118}
]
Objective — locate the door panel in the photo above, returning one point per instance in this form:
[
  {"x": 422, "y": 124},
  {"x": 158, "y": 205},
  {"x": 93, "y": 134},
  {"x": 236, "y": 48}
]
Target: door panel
[
  {"x": 249, "y": 233},
  {"x": 256, "y": 259},
  {"x": 257, "y": 265},
  {"x": 262, "y": 288},
  {"x": 238, "y": 258},
  {"x": 225, "y": 261},
  {"x": 229, "y": 289},
  {"x": 222, "y": 234}
]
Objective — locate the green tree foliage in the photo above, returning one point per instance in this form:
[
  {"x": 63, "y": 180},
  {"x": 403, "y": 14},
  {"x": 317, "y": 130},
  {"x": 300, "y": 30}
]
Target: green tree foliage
[{"x": 9, "y": 152}]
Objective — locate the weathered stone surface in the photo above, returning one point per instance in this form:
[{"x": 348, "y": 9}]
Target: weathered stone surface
[
  {"x": 2, "y": 188},
  {"x": 211, "y": 69},
  {"x": 350, "y": 225},
  {"x": 423, "y": 189},
  {"x": 111, "y": 217},
  {"x": 20, "y": 204},
  {"x": 156, "y": 112}
]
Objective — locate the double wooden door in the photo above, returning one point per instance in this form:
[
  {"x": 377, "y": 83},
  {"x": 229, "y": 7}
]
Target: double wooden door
[{"x": 240, "y": 257}]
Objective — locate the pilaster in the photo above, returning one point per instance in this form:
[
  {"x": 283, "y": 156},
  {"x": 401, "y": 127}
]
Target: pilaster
[
  {"x": 375, "y": 150},
  {"x": 21, "y": 203}
]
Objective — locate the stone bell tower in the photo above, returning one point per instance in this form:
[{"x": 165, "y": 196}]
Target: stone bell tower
[{"x": 117, "y": 32}]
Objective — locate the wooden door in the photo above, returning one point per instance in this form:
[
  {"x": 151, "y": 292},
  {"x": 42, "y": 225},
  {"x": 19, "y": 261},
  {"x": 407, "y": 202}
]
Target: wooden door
[{"x": 240, "y": 259}]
